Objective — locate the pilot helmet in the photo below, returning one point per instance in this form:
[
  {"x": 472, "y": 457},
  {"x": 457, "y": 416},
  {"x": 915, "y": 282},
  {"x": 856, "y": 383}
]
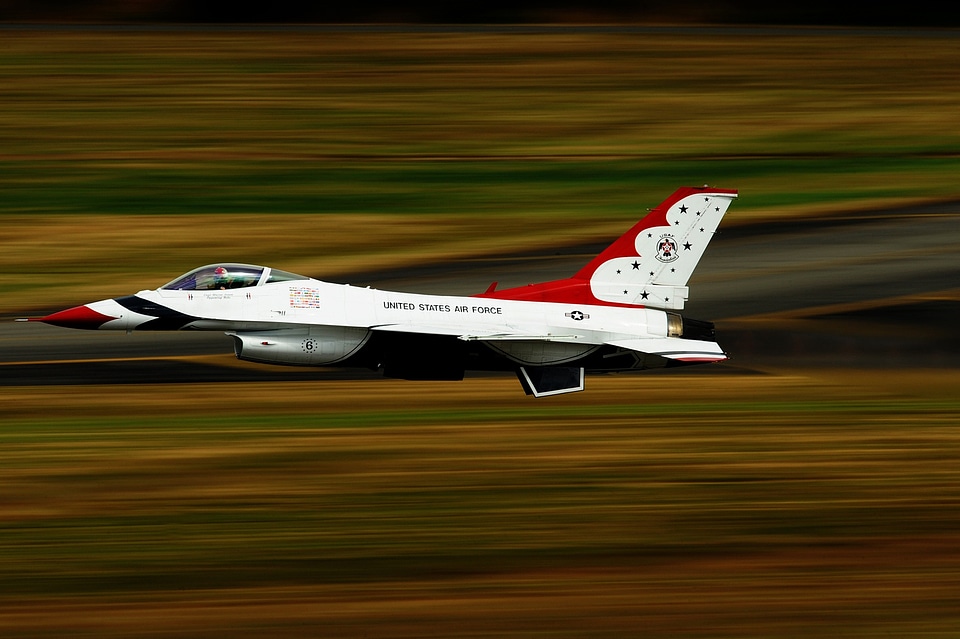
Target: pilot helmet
[{"x": 220, "y": 276}]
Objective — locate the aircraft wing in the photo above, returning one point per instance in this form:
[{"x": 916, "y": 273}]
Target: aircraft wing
[
  {"x": 518, "y": 335},
  {"x": 525, "y": 337},
  {"x": 425, "y": 329},
  {"x": 675, "y": 348}
]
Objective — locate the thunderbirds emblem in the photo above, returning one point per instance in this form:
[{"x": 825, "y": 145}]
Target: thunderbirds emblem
[{"x": 667, "y": 249}]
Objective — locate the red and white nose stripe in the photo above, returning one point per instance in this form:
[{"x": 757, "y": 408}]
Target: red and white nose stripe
[
  {"x": 105, "y": 314},
  {"x": 77, "y": 317}
]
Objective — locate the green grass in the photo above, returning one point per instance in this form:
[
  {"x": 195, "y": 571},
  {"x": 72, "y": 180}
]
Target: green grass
[{"x": 603, "y": 189}]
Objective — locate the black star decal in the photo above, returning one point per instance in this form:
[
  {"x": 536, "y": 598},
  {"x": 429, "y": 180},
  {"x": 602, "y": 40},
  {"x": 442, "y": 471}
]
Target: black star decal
[
  {"x": 718, "y": 209},
  {"x": 644, "y": 295},
  {"x": 636, "y": 265},
  {"x": 651, "y": 273},
  {"x": 624, "y": 292},
  {"x": 673, "y": 270},
  {"x": 618, "y": 271},
  {"x": 701, "y": 229},
  {"x": 699, "y": 213},
  {"x": 677, "y": 222},
  {"x": 649, "y": 234},
  {"x": 683, "y": 209},
  {"x": 686, "y": 246}
]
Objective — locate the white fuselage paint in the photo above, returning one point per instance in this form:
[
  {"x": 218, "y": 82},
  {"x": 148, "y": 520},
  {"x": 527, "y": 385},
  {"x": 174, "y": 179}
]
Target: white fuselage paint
[
  {"x": 312, "y": 302},
  {"x": 526, "y": 332}
]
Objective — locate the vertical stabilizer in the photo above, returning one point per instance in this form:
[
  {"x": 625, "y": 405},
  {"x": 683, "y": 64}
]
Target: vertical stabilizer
[{"x": 650, "y": 264}]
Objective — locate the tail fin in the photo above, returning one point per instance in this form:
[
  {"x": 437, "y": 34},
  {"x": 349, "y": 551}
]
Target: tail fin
[{"x": 650, "y": 264}]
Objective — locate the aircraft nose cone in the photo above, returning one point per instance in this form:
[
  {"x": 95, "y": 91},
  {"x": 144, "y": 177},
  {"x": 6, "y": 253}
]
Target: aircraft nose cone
[{"x": 77, "y": 317}]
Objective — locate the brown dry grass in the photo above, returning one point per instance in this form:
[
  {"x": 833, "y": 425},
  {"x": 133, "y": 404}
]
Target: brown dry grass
[
  {"x": 693, "y": 506},
  {"x": 534, "y": 95}
]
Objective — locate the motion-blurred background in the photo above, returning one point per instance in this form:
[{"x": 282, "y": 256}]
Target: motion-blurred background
[{"x": 152, "y": 486}]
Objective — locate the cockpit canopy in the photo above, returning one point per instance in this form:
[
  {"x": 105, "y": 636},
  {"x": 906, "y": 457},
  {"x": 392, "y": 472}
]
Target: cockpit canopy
[{"x": 226, "y": 276}]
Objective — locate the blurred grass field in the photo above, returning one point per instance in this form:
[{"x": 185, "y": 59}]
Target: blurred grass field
[
  {"x": 133, "y": 153},
  {"x": 788, "y": 506}
]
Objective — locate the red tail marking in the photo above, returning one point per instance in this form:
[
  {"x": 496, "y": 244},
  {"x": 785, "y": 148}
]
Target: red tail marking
[{"x": 576, "y": 289}]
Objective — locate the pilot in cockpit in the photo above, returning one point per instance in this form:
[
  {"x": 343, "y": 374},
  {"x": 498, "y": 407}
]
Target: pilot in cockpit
[{"x": 221, "y": 278}]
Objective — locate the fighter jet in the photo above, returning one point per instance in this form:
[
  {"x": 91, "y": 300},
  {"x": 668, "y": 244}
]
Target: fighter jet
[{"x": 617, "y": 313}]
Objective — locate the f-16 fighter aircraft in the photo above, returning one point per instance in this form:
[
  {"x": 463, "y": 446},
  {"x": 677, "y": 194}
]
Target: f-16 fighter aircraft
[{"x": 618, "y": 313}]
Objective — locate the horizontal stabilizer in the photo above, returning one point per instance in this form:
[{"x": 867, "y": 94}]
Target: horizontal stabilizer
[{"x": 675, "y": 348}]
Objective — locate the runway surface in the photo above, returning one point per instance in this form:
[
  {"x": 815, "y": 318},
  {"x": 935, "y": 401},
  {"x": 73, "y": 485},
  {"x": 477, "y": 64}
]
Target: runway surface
[{"x": 873, "y": 289}]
